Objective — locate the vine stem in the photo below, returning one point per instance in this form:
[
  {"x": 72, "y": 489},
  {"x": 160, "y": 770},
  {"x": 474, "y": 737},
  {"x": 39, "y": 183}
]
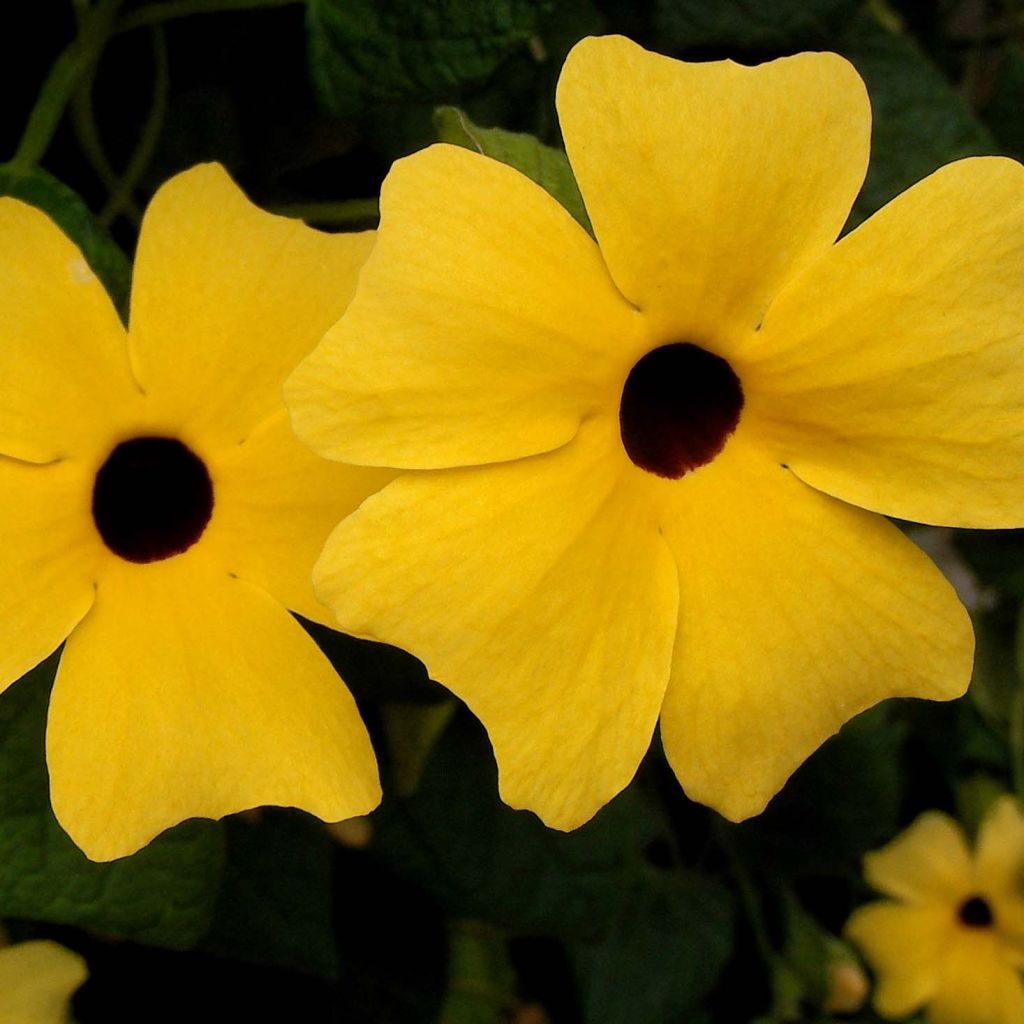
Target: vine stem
[
  {"x": 748, "y": 894},
  {"x": 169, "y": 10},
  {"x": 77, "y": 59},
  {"x": 345, "y": 211},
  {"x": 1016, "y": 742},
  {"x": 121, "y": 194}
]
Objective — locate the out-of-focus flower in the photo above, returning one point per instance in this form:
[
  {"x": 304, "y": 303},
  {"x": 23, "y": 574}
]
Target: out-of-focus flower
[
  {"x": 951, "y": 935},
  {"x": 37, "y": 981}
]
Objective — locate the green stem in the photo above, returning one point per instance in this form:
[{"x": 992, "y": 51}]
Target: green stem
[
  {"x": 1016, "y": 741},
  {"x": 76, "y": 60},
  {"x": 345, "y": 211},
  {"x": 168, "y": 10},
  {"x": 748, "y": 894},
  {"x": 121, "y": 194},
  {"x": 83, "y": 120}
]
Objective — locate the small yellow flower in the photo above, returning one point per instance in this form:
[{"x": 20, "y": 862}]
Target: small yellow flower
[
  {"x": 37, "y": 981},
  {"x": 158, "y": 514},
  {"x": 952, "y": 936},
  {"x": 642, "y": 458}
]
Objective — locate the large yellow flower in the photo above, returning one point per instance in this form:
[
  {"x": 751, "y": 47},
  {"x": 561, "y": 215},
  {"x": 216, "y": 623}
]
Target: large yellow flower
[
  {"x": 37, "y": 981},
  {"x": 643, "y": 457},
  {"x": 157, "y": 512},
  {"x": 952, "y": 935}
]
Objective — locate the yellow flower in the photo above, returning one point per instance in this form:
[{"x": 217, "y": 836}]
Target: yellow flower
[
  {"x": 952, "y": 936},
  {"x": 642, "y": 459},
  {"x": 157, "y": 512},
  {"x": 37, "y": 981}
]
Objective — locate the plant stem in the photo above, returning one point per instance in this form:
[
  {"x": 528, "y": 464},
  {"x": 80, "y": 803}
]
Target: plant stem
[
  {"x": 76, "y": 60},
  {"x": 1016, "y": 741},
  {"x": 748, "y": 894},
  {"x": 121, "y": 194},
  {"x": 168, "y": 10},
  {"x": 345, "y": 211}
]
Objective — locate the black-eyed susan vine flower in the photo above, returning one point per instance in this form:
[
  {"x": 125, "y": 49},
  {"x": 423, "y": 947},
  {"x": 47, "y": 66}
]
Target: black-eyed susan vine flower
[
  {"x": 651, "y": 466},
  {"x": 951, "y": 935},
  {"x": 158, "y": 514},
  {"x": 37, "y": 981}
]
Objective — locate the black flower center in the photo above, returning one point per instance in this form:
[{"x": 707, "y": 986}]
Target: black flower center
[
  {"x": 679, "y": 405},
  {"x": 975, "y": 912},
  {"x": 152, "y": 499}
]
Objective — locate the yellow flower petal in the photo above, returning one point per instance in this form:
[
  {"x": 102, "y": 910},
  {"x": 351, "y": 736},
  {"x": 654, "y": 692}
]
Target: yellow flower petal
[
  {"x": 485, "y": 327},
  {"x": 905, "y": 947},
  {"x": 276, "y": 505},
  {"x": 796, "y": 613},
  {"x": 50, "y": 556},
  {"x": 999, "y": 869},
  {"x": 37, "y": 981},
  {"x": 1000, "y": 853},
  {"x": 892, "y": 368},
  {"x": 63, "y": 357},
  {"x": 185, "y": 693},
  {"x": 927, "y": 864},
  {"x": 540, "y": 593},
  {"x": 213, "y": 347},
  {"x": 708, "y": 185},
  {"x": 977, "y": 985}
]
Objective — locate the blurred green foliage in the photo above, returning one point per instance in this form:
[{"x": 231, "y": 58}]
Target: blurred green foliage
[{"x": 454, "y": 908}]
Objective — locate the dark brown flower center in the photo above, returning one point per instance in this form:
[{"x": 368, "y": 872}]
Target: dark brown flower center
[
  {"x": 679, "y": 405},
  {"x": 152, "y": 499},
  {"x": 975, "y": 912}
]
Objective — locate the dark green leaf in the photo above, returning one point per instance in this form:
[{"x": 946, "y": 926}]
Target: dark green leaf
[
  {"x": 920, "y": 122},
  {"x": 996, "y": 557},
  {"x": 455, "y": 838},
  {"x": 392, "y": 944},
  {"x": 388, "y": 51},
  {"x": 1004, "y": 111},
  {"x": 64, "y": 207},
  {"x": 843, "y": 801},
  {"x": 670, "y": 939},
  {"x": 752, "y": 25},
  {"x": 274, "y": 907},
  {"x": 481, "y": 980},
  {"x": 805, "y": 952},
  {"x": 547, "y": 166},
  {"x": 164, "y": 895}
]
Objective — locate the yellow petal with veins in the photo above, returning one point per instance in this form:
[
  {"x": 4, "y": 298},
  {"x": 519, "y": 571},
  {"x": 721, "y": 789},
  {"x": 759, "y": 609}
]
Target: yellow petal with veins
[
  {"x": 186, "y": 692},
  {"x": 538, "y": 591},
  {"x": 711, "y": 184}
]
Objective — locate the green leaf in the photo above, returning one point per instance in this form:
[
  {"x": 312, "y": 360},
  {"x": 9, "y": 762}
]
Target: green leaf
[
  {"x": 275, "y": 903},
  {"x": 72, "y": 216},
  {"x": 411, "y": 731},
  {"x": 481, "y": 859},
  {"x": 754, "y": 25},
  {"x": 164, "y": 895},
  {"x": 393, "y": 944},
  {"x": 1003, "y": 111},
  {"x": 844, "y": 801},
  {"x": 920, "y": 121},
  {"x": 805, "y": 956},
  {"x": 996, "y": 557},
  {"x": 390, "y": 51},
  {"x": 670, "y": 939},
  {"x": 481, "y": 980},
  {"x": 545, "y": 165}
]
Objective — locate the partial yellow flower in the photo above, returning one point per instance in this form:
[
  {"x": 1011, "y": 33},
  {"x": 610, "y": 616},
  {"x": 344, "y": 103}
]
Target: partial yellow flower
[
  {"x": 158, "y": 514},
  {"x": 37, "y": 981},
  {"x": 952, "y": 935},
  {"x": 641, "y": 458}
]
